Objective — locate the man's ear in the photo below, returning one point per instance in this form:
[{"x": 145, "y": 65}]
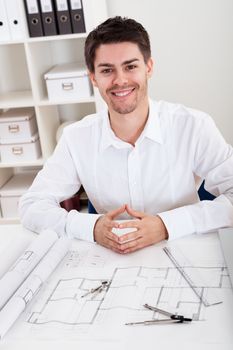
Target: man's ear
[
  {"x": 150, "y": 66},
  {"x": 92, "y": 77}
]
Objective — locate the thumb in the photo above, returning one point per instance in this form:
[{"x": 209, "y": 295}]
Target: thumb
[
  {"x": 114, "y": 213},
  {"x": 134, "y": 213}
]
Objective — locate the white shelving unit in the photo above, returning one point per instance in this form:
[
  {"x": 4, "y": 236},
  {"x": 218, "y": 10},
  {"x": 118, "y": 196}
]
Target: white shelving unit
[{"x": 23, "y": 64}]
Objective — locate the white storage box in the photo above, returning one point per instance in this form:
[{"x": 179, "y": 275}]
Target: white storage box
[
  {"x": 11, "y": 192},
  {"x": 18, "y": 123},
  {"x": 22, "y": 151},
  {"x": 68, "y": 82}
]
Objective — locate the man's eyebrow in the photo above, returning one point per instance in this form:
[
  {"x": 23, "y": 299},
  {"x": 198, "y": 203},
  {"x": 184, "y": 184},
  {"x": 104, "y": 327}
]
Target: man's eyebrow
[
  {"x": 105, "y": 65},
  {"x": 130, "y": 61},
  {"x": 123, "y": 63}
]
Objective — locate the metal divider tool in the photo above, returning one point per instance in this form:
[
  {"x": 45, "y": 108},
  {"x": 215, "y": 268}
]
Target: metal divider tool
[
  {"x": 171, "y": 318},
  {"x": 192, "y": 277},
  {"x": 95, "y": 291}
]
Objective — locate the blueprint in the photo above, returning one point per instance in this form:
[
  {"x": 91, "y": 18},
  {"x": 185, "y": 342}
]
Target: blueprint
[
  {"x": 26, "y": 276},
  {"x": 63, "y": 309},
  {"x": 25, "y": 263},
  {"x": 28, "y": 289},
  {"x": 9, "y": 250}
]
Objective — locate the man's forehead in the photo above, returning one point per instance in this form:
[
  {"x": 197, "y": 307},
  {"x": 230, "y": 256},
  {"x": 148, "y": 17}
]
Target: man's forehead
[{"x": 117, "y": 53}]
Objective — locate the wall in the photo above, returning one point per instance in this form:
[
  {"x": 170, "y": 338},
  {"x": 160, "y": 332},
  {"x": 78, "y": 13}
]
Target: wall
[{"x": 192, "y": 45}]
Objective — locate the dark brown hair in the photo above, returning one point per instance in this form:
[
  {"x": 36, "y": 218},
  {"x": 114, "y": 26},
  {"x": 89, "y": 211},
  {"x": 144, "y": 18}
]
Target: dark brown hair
[{"x": 116, "y": 30}]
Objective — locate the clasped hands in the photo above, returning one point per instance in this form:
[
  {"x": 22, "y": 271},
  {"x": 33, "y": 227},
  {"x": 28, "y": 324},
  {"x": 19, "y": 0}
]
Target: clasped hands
[{"x": 149, "y": 230}]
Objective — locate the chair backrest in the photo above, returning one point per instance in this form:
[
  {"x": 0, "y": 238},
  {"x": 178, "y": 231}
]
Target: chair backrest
[
  {"x": 203, "y": 194},
  {"x": 91, "y": 209}
]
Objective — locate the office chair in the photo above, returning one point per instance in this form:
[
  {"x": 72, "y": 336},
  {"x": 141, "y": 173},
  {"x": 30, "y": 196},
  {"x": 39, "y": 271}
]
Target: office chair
[
  {"x": 203, "y": 194},
  {"x": 91, "y": 209}
]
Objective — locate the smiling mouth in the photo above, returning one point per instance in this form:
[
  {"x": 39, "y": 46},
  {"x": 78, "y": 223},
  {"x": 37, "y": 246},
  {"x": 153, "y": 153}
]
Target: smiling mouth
[{"x": 122, "y": 93}]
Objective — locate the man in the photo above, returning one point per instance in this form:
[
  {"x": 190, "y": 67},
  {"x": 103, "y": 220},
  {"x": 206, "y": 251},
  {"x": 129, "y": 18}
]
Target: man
[{"x": 138, "y": 159}]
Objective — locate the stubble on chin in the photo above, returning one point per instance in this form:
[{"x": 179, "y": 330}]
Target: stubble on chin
[{"x": 123, "y": 109}]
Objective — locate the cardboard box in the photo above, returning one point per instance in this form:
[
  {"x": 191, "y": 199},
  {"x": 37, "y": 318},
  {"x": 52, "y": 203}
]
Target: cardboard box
[
  {"x": 68, "y": 82},
  {"x": 18, "y": 123},
  {"x": 11, "y": 192},
  {"x": 22, "y": 151}
]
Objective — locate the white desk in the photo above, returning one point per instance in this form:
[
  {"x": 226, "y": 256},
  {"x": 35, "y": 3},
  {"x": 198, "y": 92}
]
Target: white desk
[{"x": 214, "y": 330}]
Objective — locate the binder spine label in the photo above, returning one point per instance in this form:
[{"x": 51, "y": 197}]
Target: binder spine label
[
  {"x": 32, "y": 6},
  {"x": 62, "y": 5},
  {"x": 75, "y": 4},
  {"x": 46, "y": 6}
]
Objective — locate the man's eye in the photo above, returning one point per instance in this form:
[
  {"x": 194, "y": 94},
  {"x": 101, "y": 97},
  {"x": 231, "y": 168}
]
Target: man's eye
[
  {"x": 131, "y": 67},
  {"x": 106, "y": 71}
]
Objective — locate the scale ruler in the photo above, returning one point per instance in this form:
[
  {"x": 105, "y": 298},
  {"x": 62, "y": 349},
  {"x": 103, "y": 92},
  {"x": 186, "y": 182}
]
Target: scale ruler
[{"x": 195, "y": 281}]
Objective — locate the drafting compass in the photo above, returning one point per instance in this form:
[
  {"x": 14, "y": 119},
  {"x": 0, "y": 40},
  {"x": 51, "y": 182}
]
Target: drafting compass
[
  {"x": 172, "y": 318},
  {"x": 95, "y": 291}
]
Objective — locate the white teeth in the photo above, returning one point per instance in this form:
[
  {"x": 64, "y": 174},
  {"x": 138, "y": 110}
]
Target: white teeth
[{"x": 124, "y": 93}]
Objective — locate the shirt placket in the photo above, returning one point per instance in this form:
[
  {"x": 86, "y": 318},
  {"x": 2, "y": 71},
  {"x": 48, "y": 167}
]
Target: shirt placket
[{"x": 134, "y": 178}]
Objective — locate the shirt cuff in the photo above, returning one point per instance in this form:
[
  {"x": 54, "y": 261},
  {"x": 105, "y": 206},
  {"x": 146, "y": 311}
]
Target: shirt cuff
[
  {"x": 81, "y": 225},
  {"x": 178, "y": 222}
]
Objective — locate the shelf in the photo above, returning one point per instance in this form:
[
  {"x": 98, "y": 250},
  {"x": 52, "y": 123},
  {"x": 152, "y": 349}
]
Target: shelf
[
  {"x": 47, "y": 102},
  {"x": 37, "y": 162},
  {"x": 56, "y": 37},
  {"x": 16, "y": 99},
  {"x": 45, "y": 38},
  {"x": 46, "y": 54},
  {"x": 9, "y": 221},
  {"x": 24, "y": 62},
  {"x": 11, "y": 42},
  {"x": 15, "y": 81}
]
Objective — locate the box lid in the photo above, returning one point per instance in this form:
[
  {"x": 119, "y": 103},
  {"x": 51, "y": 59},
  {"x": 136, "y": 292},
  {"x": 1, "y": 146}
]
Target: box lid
[
  {"x": 18, "y": 184},
  {"x": 17, "y": 114},
  {"x": 20, "y": 140},
  {"x": 66, "y": 70}
]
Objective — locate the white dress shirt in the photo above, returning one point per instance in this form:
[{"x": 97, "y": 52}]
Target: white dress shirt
[{"x": 178, "y": 148}]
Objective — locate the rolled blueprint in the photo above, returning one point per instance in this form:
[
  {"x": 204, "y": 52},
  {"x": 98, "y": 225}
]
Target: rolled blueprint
[
  {"x": 23, "y": 266},
  {"x": 11, "y": 252},
  {"x": 17, "y": 304}
]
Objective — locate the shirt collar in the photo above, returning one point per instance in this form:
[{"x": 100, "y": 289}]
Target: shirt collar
[
  {"x": 108, "y": 138},
  {"x": 152, "y": 130}
]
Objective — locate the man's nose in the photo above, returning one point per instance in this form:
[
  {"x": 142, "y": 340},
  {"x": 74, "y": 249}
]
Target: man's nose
[{"x": 120, "y": 78}]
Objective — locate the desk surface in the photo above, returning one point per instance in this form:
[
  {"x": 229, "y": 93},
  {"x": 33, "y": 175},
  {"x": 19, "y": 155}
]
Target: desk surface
[{"x": 137, "y": 278}]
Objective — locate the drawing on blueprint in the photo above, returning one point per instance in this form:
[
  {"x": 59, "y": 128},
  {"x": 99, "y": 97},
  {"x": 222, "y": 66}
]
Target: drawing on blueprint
[{"x": 123, "y": 300}]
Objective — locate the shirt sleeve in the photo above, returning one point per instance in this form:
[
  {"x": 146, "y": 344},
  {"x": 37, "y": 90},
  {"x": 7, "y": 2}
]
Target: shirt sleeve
[
  {"x": 212, "y": 161},
  {"x": 39, "y": 207}
]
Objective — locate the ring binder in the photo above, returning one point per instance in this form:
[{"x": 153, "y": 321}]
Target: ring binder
[
  {"x": 16, "y": 21},
  {"x": 63, "y": 16},
  {"x": 4, "y": 26},
  {"x": 33, "y": 18},
  {"x": 77, "y": 16},
  {"x": 48, "y": 17}
]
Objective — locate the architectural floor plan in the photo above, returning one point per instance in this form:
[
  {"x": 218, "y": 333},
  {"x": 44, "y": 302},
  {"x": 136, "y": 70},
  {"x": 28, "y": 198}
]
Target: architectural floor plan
[
  {"x": 63, "y": 308},
  {"x": 130, "y": 288}
]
